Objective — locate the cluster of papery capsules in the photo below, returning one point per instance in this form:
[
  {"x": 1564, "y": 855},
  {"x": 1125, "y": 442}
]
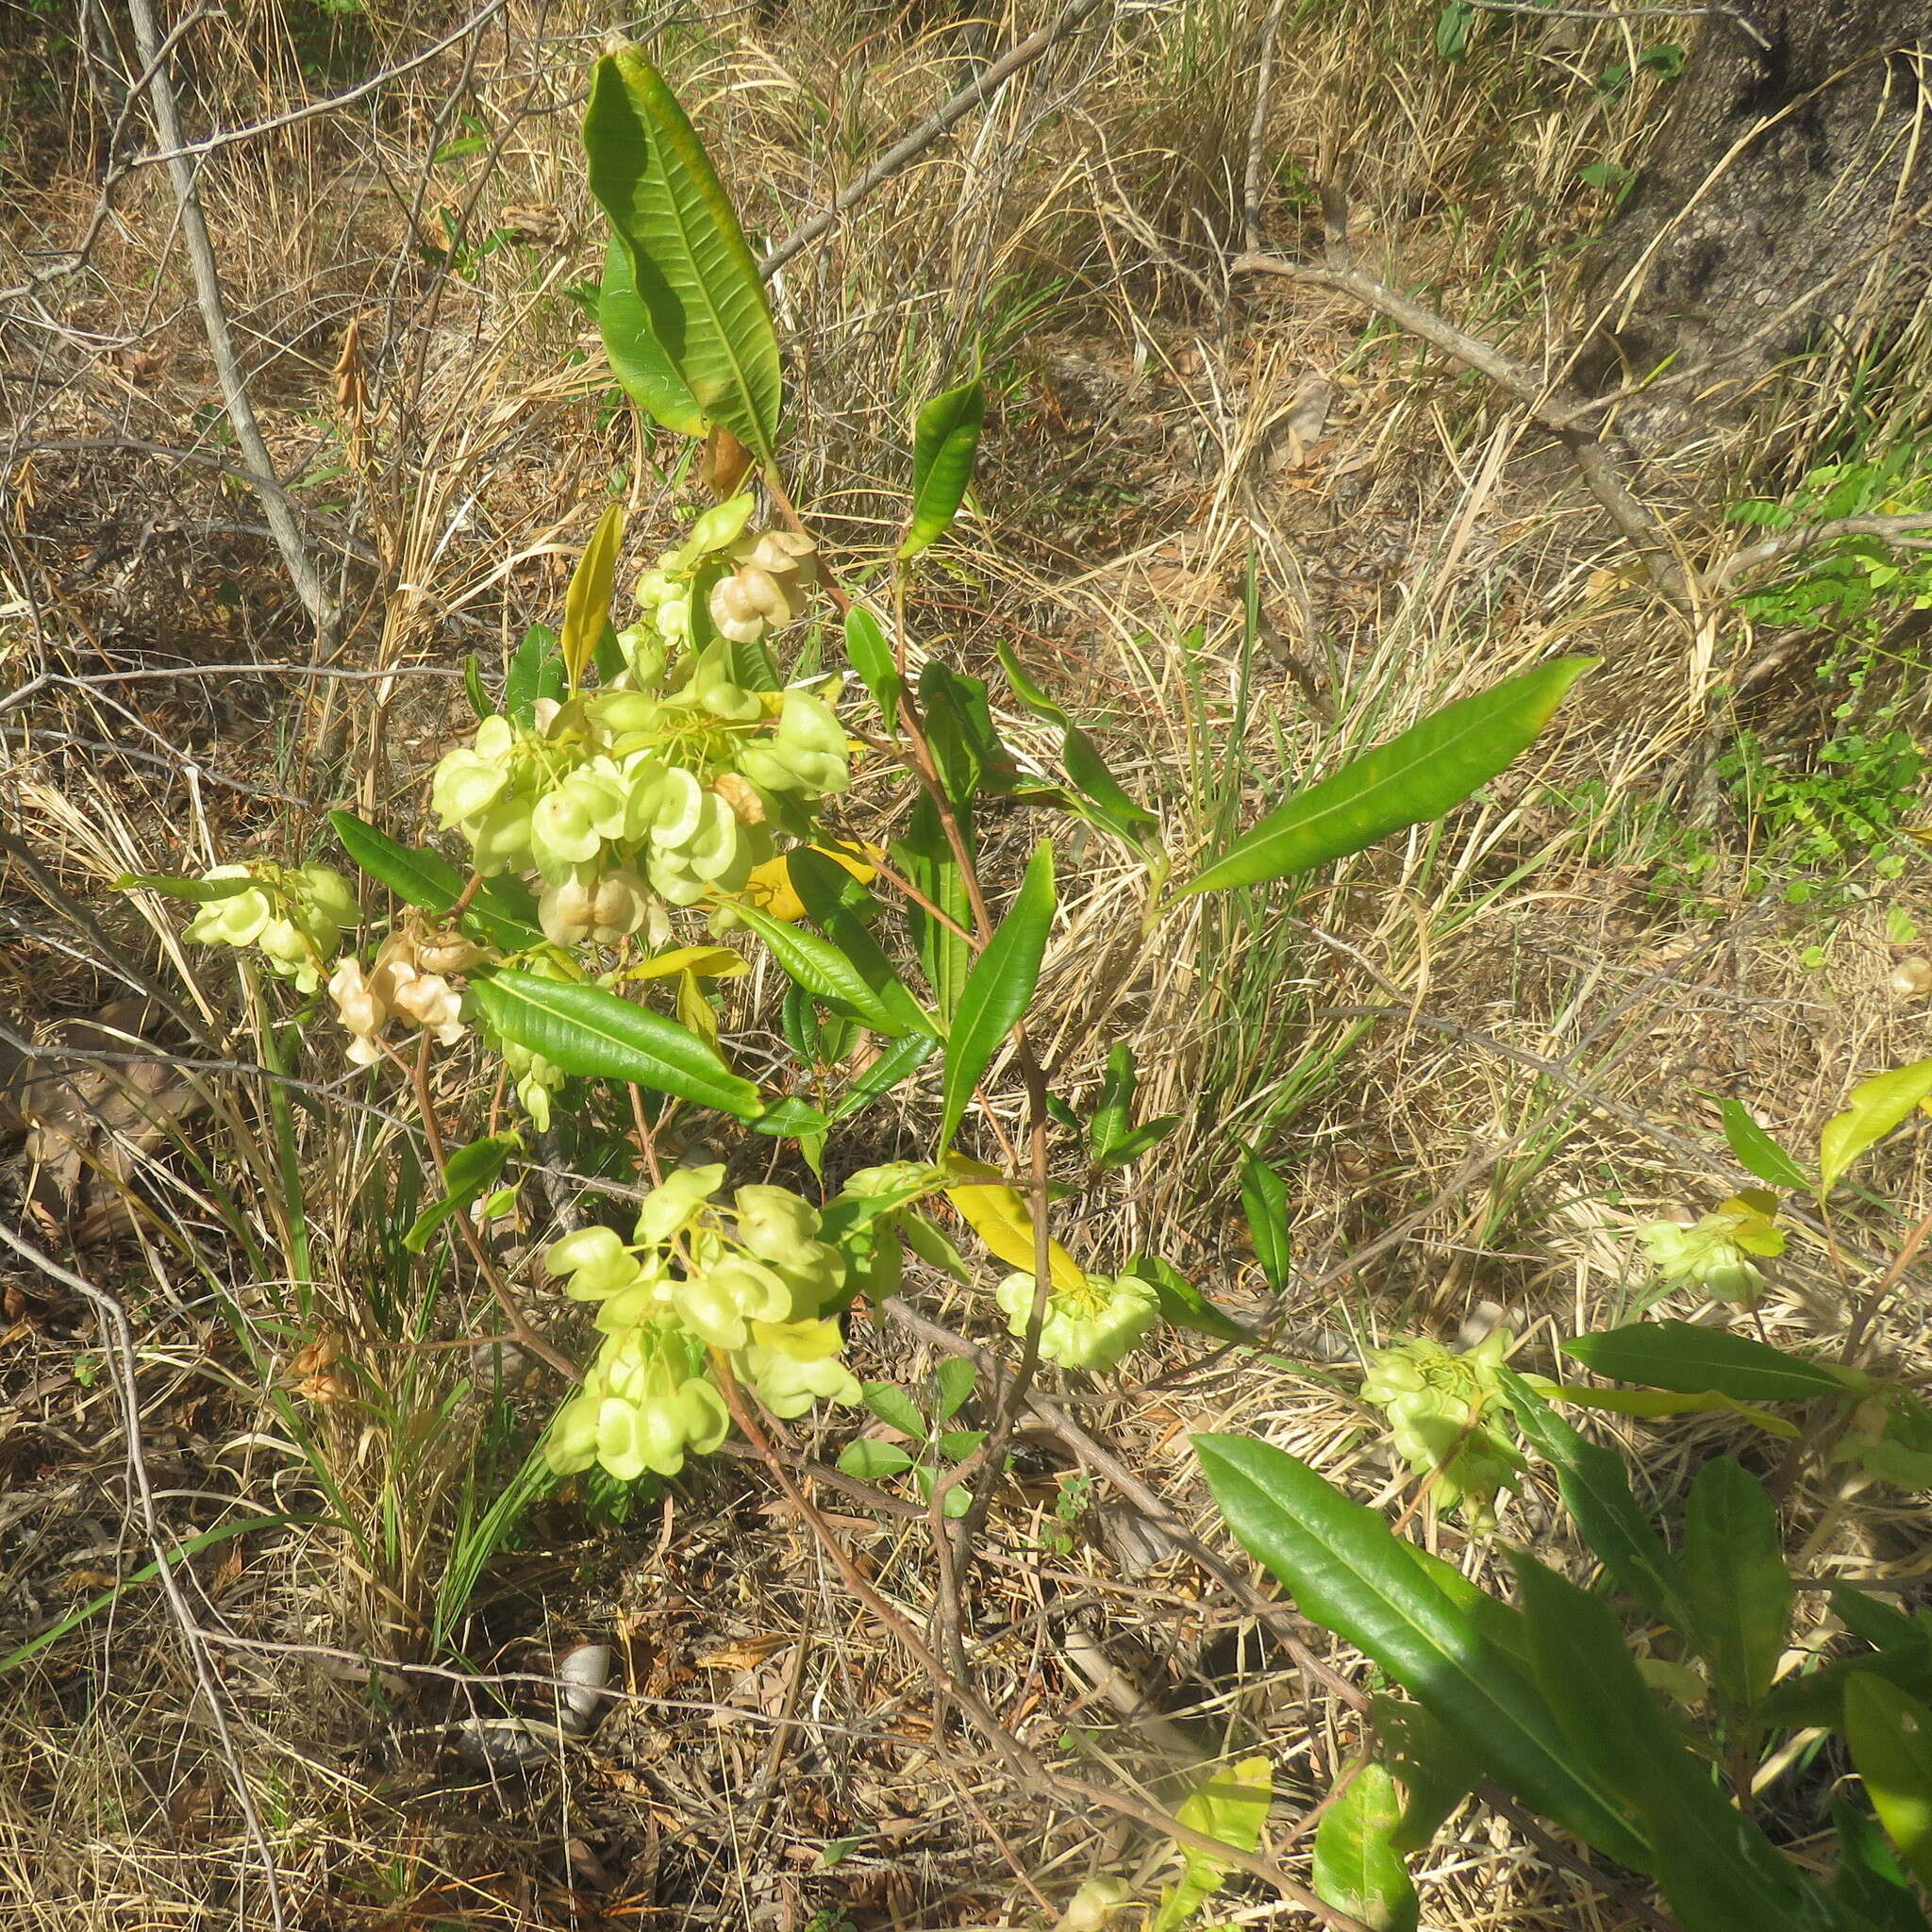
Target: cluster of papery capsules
[
  {"x": 752, "y": 1281},
  {"x": 1087, "y": 1325}
]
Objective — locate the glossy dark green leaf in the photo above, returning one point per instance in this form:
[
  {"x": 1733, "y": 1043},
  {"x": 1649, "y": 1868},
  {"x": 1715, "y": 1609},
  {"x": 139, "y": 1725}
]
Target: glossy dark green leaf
[
  {"x": 1418, "y": 776},
  {"x": 824, "y": 971},
  {"x": 1596, "y": 1492},
  {"x": 472, "y": 1172},
  {"x": 1356, "y": 1866},
  {"x": 925, "y": 856},
  {"x": 535, "y": 671},
  {"x": 871, "y": 656},
  {"x": 966, "y": 745},
  {"x": 503, "y": 912},
  {"x": 1718, "y": 1869},
  {"x": 1735, "y": 1577},
  {"x": 1890, "y": 1732},
  {"x": 1758, "y": 1152},
  {"x": 696, "y": 279},
  {"x": 1687, "y": 1358},
  {"x": 1264, "y": 1201},
  {"x": 639, "y": 365},
  {"x": 1183, "y": 1305},
  {"x": 587, "y": 1031},
  {"x": 887, "y": 1072},
  {"x": 998, "y": 989},
  {"x": 833, "y": 899},
  {"x": 945, "y": 439},
  {"x": 1348, "y": 1573}
]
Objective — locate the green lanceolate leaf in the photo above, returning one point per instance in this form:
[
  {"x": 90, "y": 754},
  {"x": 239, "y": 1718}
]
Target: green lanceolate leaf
[
  {"x": 1424, "y": 772},
  {"x": 473, "y": 687},
  {"x": 925, "y": 856},
  {"x": 1871, "y": 1891},
  {"x": 472, "y": 1173},
  {"x": 825, "y": 972},
  {"x": 1876, "y": 1106},
  {"x": 1113, "y": 1112},
  {"x": 535, "y": 671},
  {"x": 998, "y": 988},
  {"x": 1869, "y": 1883},
  {"x": 1718, "y": 1870},
  {"x": 503, "y": 913},
  {"x": 1435, "y": 1773},
  {"x": 1817, "y": 1697},
  {"x": 1094, "y": 793},
  {"x": 1689, "y": 1358},
  {"x": 1349, "y": 1573},
  {"x": 1890, "y": 1732},
  {"x": 639, "y": 365},
  {"x": 587, "y": 603},
  {"x": 1183, "y": 1305},
  {"x": 1596, "y": 1493},
  {"x": 587, "y": 1031},
  {"x": 1757, "y": 1151},
  {"x": 1735, "y": 1575},
  {"x": 416, "y": 877},
  {"x": 871, "y": 656},
  {"x": 1264, "y": 1201},
  {"x": 887, "y": 1072},
  {"x": 945, "y": 439},
  {"x": 1357, "y": 1864},
  {"x": 828, "y": 892},
  {"x": 696, "y": 279}
]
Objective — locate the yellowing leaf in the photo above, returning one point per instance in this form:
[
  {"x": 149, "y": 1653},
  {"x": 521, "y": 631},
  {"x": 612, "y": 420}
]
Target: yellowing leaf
[
  {"x": 1231, "y": 1805},
  {"x": 998, "y": 1216},
  {"x": 587, "y": 603},
  {"x": 769, "y": 887},
  {"x": 1878, "y": 1106},
  {"x": 704, "y": 962}
]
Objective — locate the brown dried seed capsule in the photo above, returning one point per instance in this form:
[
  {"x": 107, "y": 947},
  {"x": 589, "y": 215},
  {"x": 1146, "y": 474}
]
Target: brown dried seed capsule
[{"x": 1912, "y": 978}]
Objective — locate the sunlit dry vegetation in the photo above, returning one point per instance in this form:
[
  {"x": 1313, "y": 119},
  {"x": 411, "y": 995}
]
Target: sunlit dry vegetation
[{"x": 298, "y": 1625}]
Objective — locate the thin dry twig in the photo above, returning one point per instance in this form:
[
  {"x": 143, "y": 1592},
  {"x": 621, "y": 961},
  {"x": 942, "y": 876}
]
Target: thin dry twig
[
  {"x": 119, "y": 1339},
  {"x": 913, "y": 144},
  {"x": 220, "y": 340}
]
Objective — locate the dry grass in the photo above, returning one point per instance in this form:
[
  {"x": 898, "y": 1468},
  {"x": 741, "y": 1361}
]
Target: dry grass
[{"x": 1543, "y": 1077}]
